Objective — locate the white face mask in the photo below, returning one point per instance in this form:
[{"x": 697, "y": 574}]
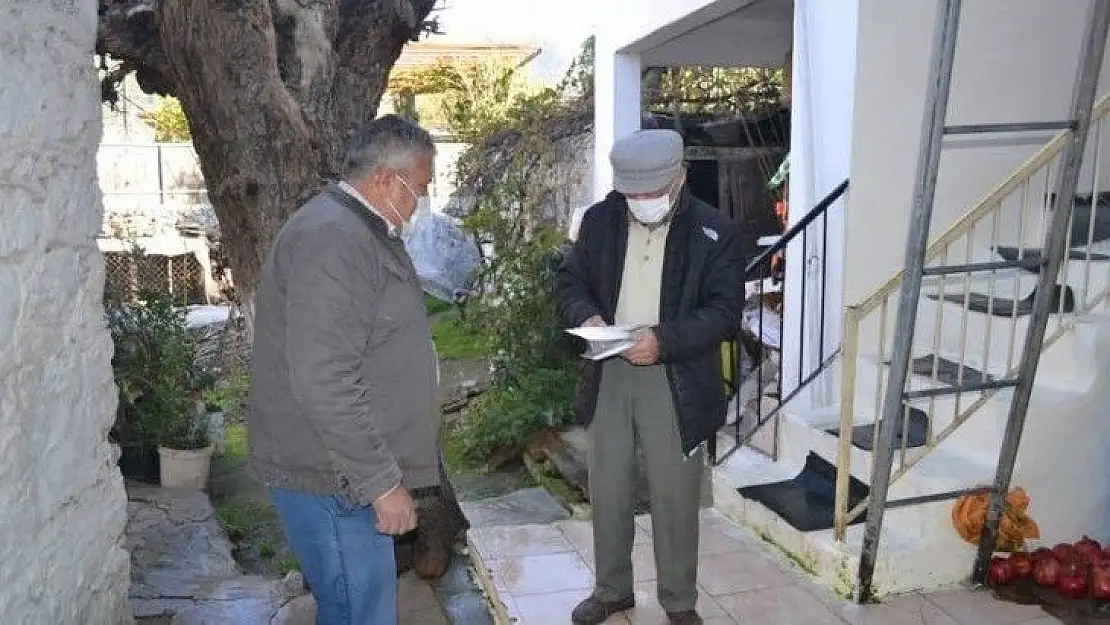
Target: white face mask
[
  {"x": 423, "y": 206},
  {"x": 652, "y": 211}
]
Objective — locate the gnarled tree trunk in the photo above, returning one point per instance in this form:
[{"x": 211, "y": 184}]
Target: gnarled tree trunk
[{"x": 271, "y": 89}]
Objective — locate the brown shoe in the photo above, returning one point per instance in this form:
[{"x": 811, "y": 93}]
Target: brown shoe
[
  {"x": 594, "y": 611},
  {"x": 688, "y": 617}
]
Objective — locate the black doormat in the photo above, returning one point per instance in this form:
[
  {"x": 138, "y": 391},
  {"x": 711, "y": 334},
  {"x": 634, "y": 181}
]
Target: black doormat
[
  {"x": 807, "y": 501},
  {"x": 1004, "y": 307},
  {"x": 948, "y": 371},
  {"x": 863, "y": 436}
]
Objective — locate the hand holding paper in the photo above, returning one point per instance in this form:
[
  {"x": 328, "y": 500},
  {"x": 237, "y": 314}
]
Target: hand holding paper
[
  {"x": 605, "y": 341},
  {"x": 645, "y": 349}
]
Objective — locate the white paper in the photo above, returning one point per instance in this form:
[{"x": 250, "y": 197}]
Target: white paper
[
  {"x": 603, "y": 333},
  {"x": 600, "y": 350},
  {"x": 605, "y": 341}
]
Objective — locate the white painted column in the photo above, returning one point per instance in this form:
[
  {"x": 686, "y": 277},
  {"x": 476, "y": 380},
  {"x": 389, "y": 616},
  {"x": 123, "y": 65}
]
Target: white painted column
[
  {"x": 823, "y": 82},
  {"x": 617, "y": 106}
]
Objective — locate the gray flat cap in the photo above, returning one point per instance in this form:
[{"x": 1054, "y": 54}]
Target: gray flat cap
[{"x": 646, "y": 161}]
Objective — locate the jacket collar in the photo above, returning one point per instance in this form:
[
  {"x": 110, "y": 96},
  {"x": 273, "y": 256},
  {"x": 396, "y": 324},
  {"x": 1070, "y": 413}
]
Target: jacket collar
[{"x": 350, "y": 191}]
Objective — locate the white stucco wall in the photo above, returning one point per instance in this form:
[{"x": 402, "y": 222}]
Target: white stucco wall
[
  {"x": 62, "y": 503},
  {"x": 1015, "y": 61}
]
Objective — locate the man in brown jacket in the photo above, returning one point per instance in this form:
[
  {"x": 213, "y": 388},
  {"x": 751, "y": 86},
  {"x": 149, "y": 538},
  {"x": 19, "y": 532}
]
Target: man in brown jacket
[{"x": 343, "y": 415}]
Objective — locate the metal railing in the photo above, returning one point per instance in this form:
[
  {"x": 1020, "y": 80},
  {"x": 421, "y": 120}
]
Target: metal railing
[
  {"x": 973, "y": 321},
  {"x": 757, "y": 389}
]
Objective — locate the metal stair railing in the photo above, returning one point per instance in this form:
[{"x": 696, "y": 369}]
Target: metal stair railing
[{"x": 765, "y": 273}]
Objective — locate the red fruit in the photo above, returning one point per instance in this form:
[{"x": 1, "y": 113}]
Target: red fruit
[
  {"x": 1100, "y": 583},
  {"x": 1000, "y": 572},
  {"x": 1042, "y": 553},
  {"x": 1046, "y": 571},
  {"x": 1087, "y": 540},
  {"x": 1021, "y": 563},
  {"x": 1073, "y": 581},
  {"x": 1064, "y": 552},
  {"x": 1087, "y": 549}
]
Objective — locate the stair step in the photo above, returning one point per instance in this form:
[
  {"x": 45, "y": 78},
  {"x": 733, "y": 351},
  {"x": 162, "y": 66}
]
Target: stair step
[
  {"x": 1034, "y": 255},
  {"x": 917, "y": 434},
  {"x": 948, "y": 371},
  {"x": 807, "y": 501},
  {"x": 1004, "y": 307}
]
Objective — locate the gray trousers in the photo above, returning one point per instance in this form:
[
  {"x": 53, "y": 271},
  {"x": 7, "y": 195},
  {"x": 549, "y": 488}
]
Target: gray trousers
[{"x": 635, "y": 407}]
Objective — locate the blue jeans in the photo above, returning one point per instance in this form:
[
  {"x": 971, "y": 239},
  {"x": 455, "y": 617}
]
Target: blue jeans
[{"x": 348, "y": 564}]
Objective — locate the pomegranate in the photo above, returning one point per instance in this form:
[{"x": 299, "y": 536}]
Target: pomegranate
[
  {"x": 1021, "y": 564},
  {"x": 1088, "y": 549},
  {"x": 1046, "y": 571},
  {"x": 1100, "y": 583},
  {"x": 1000, "y": 572},
  {"x": 1042, "y": 553},
  {"x": 1072, "y": 582},
  {"x": 1064, "y": 552}
]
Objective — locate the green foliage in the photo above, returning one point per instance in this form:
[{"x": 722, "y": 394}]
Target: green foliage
[
  {"x": 473, "y": 99},
  {"x": 536, "y": 363},
  {"x": 230, "y": 394},
  {"x": 713, "y": 90},
  {"x": 154, "y": 368},
  {"x": 169, "y": 122},
  {"x": 513, "y": 411}
]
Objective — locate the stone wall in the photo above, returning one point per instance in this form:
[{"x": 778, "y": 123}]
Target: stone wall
[{"x": 62, "y": 502}]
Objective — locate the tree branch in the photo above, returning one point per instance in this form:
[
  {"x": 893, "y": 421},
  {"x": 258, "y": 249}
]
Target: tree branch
[
  {"x": 369, "y": 37},
  {"x": 127, "y": 31}
]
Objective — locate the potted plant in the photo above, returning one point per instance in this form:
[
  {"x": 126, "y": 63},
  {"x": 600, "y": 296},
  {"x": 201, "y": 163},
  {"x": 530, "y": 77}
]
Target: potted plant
[
  {"x": 185, "y": 448},
  {"x": 153, "y": 364}
]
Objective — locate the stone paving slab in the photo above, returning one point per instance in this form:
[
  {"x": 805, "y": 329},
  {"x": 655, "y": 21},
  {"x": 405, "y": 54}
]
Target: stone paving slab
[{"x": 182, "y": 569}]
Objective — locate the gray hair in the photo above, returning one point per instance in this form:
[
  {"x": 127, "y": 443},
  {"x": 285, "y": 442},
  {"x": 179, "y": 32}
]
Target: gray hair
[{"x": 389, "y": 142}]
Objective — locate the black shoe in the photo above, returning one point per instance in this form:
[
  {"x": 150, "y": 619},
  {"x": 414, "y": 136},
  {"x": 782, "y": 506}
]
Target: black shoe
[{"x": 594, "y": 611}]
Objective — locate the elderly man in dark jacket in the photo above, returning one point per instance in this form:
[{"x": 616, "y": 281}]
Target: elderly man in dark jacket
[{"x": 652, "y": 256}]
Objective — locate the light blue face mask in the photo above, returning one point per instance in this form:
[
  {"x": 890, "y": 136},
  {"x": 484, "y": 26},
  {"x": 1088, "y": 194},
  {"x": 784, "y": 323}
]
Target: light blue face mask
[{"x": 446, "y": 257}]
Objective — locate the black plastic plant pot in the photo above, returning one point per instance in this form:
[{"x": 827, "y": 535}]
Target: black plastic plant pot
[{"x": 139, "y": 463}]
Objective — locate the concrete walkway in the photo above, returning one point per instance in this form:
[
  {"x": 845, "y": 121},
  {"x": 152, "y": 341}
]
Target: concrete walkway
[{"x": 537, "y": 573}]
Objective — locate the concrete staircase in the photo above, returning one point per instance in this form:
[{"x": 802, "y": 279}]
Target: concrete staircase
[{"x": 790, "y": 500}]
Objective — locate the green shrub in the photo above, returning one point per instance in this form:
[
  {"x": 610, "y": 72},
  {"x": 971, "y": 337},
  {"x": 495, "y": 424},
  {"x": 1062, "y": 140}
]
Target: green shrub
[
  {"x": 512, "y": 412},
  {"x": 154, "y": 367}
]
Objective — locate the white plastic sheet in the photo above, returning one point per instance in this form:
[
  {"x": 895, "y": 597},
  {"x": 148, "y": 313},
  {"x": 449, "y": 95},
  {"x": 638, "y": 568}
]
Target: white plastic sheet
[{"x": 445, "y": 256}]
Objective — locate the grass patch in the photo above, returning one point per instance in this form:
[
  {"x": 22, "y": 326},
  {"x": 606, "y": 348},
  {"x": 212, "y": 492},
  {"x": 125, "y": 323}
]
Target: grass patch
[
  {"x": 236, "y": 450},
  {"x": 454, "y": 342},
  {"x": 245, "y": 518},
  {"x": 434, "y": 305}
]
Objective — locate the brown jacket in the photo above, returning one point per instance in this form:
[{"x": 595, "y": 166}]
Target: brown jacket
[{"x": 343, "y": 396}]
